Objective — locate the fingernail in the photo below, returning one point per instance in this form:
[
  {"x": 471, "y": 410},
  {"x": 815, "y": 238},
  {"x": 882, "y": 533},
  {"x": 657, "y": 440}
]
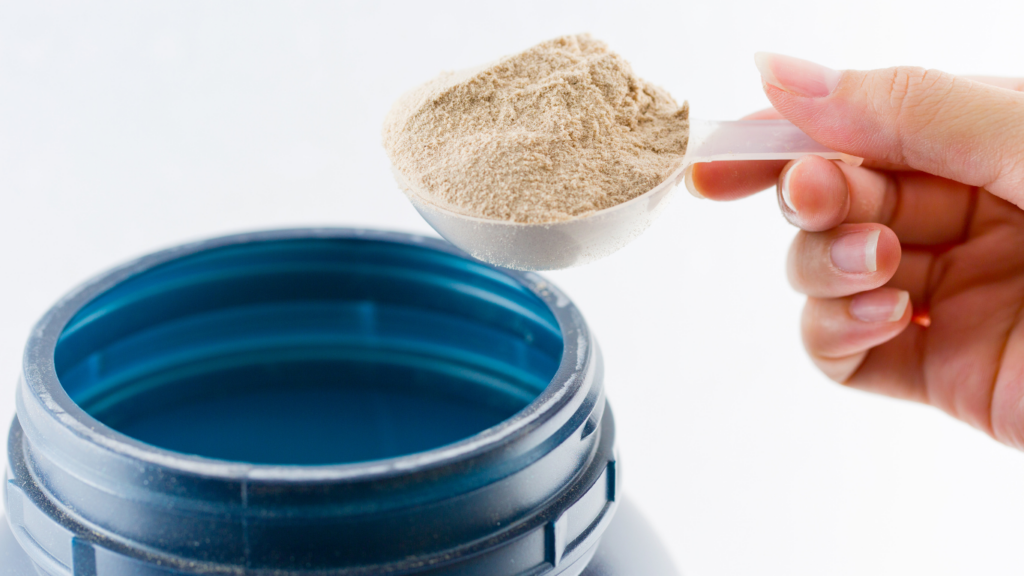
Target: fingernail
[
  {"x": 784, "y": 187},
  {"x": 882, "y": 305},
  {"x": 688, "y": 179},
  {"x": 854, "y": 161},
  {"x": 797, "y": 76},
  {"x": 856, "y": 252}
]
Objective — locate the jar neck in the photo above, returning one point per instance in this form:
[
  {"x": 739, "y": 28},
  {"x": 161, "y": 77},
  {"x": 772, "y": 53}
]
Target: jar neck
[{"x": 282, "y": 522}]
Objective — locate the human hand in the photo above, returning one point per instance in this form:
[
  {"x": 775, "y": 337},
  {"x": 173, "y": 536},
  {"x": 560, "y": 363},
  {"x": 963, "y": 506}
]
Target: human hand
[{"x": 933, "y": 216}]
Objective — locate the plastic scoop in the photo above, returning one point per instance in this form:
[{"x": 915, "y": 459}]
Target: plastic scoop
[{"x": 586, "y": 238}]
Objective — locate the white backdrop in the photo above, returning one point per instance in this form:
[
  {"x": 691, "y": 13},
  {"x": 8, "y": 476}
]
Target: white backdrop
[{"x": 127, "y": 127}]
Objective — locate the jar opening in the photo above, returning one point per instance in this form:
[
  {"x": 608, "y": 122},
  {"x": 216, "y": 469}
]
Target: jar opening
[{"x": 309, "y": 352}]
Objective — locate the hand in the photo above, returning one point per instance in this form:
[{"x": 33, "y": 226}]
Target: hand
[{"x": 933, "y": 217}]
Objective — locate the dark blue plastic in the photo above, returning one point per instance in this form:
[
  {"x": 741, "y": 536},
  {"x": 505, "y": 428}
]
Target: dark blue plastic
[{"x": 311, "y": 402}]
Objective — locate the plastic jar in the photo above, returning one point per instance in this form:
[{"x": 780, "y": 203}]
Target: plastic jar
[{"x": 325, "y": 401}]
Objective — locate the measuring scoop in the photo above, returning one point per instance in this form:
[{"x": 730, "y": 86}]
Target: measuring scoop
[{"x": 589, "y": 237}]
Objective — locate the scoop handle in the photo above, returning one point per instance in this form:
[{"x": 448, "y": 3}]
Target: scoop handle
[{"x": 754, "y": 140}]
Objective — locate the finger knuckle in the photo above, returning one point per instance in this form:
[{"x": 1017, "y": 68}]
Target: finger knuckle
[
  {"x": 901, "y": 78},
  {"x": 1013, "y": 175},
  {"x": 913, "y": 98},
  {"x": 797, "y": 263},
  {"x": 1012, "y": 172},
  {"x": 809, "y": 319}
]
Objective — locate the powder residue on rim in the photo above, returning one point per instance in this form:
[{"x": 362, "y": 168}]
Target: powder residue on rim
[{"x": 558, "y": 131}]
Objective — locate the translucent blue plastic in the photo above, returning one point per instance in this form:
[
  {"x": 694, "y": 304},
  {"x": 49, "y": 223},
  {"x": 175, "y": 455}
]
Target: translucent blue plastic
[{"x": 308, "y": 352}]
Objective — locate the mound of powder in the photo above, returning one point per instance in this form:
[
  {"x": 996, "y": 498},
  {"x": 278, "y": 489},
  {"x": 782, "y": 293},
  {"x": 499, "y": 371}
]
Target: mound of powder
[{"x": 560, "y": 130}]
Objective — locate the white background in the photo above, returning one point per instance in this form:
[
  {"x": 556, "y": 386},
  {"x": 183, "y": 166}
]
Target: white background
[{"x": 134, "y": 126}]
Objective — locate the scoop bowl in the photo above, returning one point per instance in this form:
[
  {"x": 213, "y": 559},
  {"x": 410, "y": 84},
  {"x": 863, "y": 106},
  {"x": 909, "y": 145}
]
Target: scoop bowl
[{"x": 592, "y": 236}]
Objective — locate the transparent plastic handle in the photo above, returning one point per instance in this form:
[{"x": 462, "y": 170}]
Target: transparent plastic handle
[{"x": 754, "y": 140}]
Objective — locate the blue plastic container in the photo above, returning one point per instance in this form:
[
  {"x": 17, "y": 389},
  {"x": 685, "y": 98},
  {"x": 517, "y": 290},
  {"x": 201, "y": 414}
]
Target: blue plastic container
[{"x": 314, "y": 402}]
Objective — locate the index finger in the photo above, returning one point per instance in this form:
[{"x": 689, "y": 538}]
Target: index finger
[
  {"x": 735, "y": 180},
  {"x": 946, "y": 125}
]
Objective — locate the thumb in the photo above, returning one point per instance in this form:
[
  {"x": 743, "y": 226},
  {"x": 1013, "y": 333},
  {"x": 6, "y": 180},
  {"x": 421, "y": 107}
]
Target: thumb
[{"x": 923, "y": 119}]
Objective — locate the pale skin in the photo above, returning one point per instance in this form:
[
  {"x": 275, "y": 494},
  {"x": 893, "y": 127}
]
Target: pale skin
[{"x": 913, "y": 263}]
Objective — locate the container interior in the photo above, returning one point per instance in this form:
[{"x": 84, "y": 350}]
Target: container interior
[{"x": 309, "y": 352}]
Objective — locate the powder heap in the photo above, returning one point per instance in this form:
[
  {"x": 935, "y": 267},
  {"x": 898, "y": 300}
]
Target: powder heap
[{"x": 560, "y": 130}]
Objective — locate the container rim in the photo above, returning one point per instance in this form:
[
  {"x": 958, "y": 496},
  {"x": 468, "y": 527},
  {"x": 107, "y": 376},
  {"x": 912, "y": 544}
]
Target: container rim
[{"x": 41, "y": 380}]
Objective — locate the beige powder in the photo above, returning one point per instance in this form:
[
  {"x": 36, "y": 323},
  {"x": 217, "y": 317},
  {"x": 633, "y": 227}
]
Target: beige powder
[{"x": 560, "y": 130}]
